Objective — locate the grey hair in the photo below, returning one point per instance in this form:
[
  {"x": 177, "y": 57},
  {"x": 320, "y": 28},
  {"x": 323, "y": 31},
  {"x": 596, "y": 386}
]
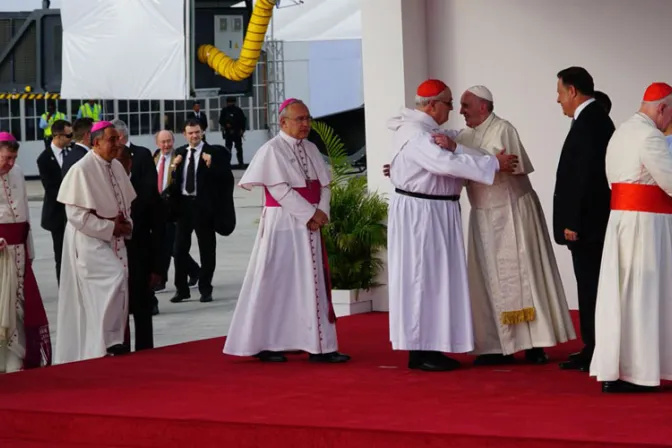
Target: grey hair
[
  {"x": 100, "y": 133},
  {"x": 424, "y": 101},
  {"x": 121, "y": 127},
  {"x": 283, "y": 113},
  {"x": 156, "y": 136}
]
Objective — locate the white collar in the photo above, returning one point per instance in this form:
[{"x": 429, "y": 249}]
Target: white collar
[
  {"x": 289, "y": 139},
  {"x": 582, "y": 106},
  {"x": 197, "y": 148}
]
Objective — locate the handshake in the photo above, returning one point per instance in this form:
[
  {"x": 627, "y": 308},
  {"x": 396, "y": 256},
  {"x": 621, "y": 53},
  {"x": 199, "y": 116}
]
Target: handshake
[{"x": 507, "y": 162}]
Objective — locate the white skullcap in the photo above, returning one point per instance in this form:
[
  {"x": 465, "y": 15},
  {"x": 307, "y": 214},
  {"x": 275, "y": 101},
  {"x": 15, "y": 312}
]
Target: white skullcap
[{"x": 481, "y": 92}]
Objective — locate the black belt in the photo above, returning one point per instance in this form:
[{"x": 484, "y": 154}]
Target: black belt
[{"x": 454, "y": 197}]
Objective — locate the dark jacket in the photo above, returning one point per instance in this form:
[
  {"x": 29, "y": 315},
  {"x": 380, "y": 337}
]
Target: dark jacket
[{"x": 581, "y": 201}]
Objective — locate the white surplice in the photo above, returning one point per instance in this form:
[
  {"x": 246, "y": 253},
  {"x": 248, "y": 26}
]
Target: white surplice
[
  {"x": 517, "y": 298},
  {"x": 93, "y": 294},
  {"x": 428, "y": 285},
  {"x": 633, "y": 318},
  {"x": 283, "y": 303},
  {"x": 13, "y": 209}
]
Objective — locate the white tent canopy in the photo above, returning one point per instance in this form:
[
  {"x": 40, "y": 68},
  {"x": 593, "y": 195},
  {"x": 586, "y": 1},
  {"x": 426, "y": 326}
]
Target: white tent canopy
[{"x": 316, "y": 20}]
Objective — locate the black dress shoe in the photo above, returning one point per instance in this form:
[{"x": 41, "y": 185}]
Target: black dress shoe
[
  {"x": 206, "y": 298},
  {"x": 494, "y": 359},
  {"x": 623, "y": 387},
  {"x": 536, "y": 355},
  {"x": 160, "y": 287},
  {"x": 177, "y": 298},
  {"x": 118, "y": 350},
  {"x": 155, "y": 310},
  {"x": 333, "y": 357},
  {"x": 576, "y": 364},
  {"x": 269, "y": 356},
  {"x": 430, "y": 361}
]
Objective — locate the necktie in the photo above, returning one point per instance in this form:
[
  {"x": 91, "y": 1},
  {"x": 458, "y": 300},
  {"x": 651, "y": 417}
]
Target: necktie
[
  {"x": 191, "y": 173},
  {"x": 162, "y": 168}
]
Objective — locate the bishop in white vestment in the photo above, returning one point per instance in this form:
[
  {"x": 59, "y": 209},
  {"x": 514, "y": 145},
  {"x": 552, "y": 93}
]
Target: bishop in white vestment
[
  {"x": 430, "y": 311},
  {"x": 285, "y": 301},
  {"x": 24, "y": 330},
  {"x": 93, "y": 295},
  {"x": 517, "y": 298},
  {"x": 633, "y": 321}
]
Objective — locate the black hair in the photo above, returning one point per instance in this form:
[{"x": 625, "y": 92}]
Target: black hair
[{"x": 579, "y": 78}]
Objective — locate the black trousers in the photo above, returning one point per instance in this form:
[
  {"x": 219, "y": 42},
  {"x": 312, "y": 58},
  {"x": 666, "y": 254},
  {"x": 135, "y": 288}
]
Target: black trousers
[
  {"x": 587, "y": 258},
  {"x": 192, "y": 218},
  {"x": 231, "y": 139},
  {"x": 168, "y": 251},
  {"x": 141, "y": 298},
  {"x": 57, "y": 241}
]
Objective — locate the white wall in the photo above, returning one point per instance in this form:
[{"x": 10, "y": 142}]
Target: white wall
[
  {"x": 516, "y": 48},
  {"x": 326, "y": 75},
  {"x": 29, "y": 151}
]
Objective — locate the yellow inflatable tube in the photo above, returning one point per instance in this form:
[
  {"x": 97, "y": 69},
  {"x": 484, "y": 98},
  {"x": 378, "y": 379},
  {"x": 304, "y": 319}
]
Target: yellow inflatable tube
[{"x": 243, "y": 67}]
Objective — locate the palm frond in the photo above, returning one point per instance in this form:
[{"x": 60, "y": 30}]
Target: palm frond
[{"x": 336, "y": 151}]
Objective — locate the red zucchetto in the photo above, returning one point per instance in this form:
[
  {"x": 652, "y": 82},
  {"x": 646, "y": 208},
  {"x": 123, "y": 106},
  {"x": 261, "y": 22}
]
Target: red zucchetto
[
  {"x": 657, "y": 91},
  {"x": 431, "y": 88}
]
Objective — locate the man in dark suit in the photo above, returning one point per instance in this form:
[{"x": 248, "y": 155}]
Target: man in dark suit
[
  {"x": 49, "y": 165},
  {"x": 199, "y": 115},
  {"x": 581, "y": 203},
  {"x": 164, "y": 158},
  {"x": 81, "y": 130},
  {"x": 201, "y": 194},
  {"x": 143, "y": 176},
  {"x": 144, "y": 254}
]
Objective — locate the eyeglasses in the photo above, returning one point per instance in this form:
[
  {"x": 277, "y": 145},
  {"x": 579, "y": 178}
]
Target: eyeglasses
[
  {"x": 65, "y": 135},
  {"x": 301, "y": 119}
]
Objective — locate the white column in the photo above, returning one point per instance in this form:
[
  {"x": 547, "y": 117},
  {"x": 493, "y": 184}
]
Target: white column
[{"x": 394, "y": 60}]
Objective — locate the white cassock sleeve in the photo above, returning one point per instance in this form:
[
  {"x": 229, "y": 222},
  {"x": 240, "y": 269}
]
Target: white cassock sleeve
[
  {"x": 325, "y": 200},
  {"x": 513, "y": 145},
  {"x": 440, "y": 162},
  {"x": 657, "y": 159},
  {"x": 89, "y": 224},
  {"x": 293, "y": 202}
]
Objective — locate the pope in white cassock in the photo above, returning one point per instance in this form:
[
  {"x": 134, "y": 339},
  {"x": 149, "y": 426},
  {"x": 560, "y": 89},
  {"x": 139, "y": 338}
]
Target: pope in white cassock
[
  {"x": 24, "y": 329},
  {"x": 93, "y": 294},
  {"x": 285, "y": 301},
  {"x": 633, "y": 318},
  {"x": 517, "y": 298},
  {"x": 430, "y": 311}
]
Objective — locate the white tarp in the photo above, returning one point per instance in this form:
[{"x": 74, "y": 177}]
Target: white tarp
[
  {"x": 317, "y": 20},
  {"x": 124, "y": 49}
]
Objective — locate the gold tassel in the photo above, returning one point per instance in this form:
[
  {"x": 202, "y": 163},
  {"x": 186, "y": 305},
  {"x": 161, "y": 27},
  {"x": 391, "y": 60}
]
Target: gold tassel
[{"x": 517, "y": 317}]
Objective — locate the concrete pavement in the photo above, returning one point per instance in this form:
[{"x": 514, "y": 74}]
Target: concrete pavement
[{"x": 177, "y": 323}]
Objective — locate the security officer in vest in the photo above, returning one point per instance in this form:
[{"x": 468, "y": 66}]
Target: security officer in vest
[
  {"x": 92, "y": 110},
  {"x": 47, "y": 119}
]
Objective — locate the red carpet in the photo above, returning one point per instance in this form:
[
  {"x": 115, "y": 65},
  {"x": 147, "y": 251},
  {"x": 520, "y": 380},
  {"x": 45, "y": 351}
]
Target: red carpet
[{"x": 191, "y": 395}]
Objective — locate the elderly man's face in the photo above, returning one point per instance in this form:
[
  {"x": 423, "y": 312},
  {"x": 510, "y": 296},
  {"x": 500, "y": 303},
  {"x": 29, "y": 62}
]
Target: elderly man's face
[
  {"x": 106, "y": 146},
  {"x": 7, "y": 159},
  {"x": 297, "y": 122},
  {"x": 473, "y": 109},
  {"x": 193, "y": 134},
  {"x": 165, "y": 141}
]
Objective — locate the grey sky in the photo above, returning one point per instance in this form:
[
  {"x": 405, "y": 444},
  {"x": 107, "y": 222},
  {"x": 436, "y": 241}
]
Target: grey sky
[{"x": 25, "y": 5}]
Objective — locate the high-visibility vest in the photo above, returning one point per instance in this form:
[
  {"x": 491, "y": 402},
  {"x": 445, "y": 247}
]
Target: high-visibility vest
[
  {"x": 91, "y": 112},
  {"x": 56, "y": 116}
]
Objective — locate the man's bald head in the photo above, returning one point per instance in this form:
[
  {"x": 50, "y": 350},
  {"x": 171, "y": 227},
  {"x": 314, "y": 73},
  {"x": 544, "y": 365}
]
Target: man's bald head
[
  {"x": 476, "y": 107},
  {"x": 165, "y": 140}
]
